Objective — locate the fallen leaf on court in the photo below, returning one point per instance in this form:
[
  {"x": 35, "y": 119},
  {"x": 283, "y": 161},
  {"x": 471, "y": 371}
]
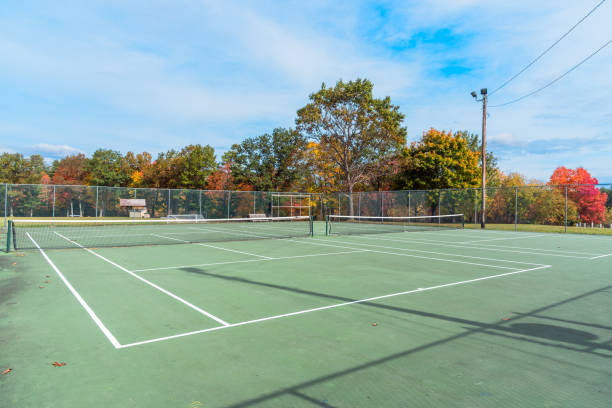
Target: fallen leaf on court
[
  {"x": 57, "y": 364},
  {"x": 47, "y": 276},
  {"x": 46, "y": 281},
  {"x": 14, "y": 263},
  {"x": 41, "y": 287},
  {"x": 8, "y": 370}
]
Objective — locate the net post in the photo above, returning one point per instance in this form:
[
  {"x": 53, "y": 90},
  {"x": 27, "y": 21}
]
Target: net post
[
  {"x": 9, "y": 235},
  {"x": 462, "y": 221},
  {"x": 311, "y": 225},
  {"x": 327, "y": 225}
]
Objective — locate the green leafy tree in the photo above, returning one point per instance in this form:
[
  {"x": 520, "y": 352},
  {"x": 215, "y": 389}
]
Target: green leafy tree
[
  {"x": 475, "y": 145},
  {"x": 354, "y": 131},
  {"x": 268, "y": 162},
  {"x": 17, "y": 169},
  {"x": 108, "y": 168},
  {"x": 196, "y": 163}
]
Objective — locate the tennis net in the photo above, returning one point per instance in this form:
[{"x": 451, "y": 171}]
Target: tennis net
[
  {"x": 55, "y": 234},
  {"x": 346, "y": 224}
]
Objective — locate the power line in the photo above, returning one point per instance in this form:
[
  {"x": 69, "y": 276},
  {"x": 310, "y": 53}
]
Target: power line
[
  {"x": 548, "y": 49},
  {"x": 554, "y": 80}
]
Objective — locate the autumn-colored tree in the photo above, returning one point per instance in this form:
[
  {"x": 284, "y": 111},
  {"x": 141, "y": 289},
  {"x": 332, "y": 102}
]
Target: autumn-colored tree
[
  {"x": 221, "y": 179},
  {"x": 439, "y": 160},
  {"x": 70, "y": 170},
  {"x": 354, "y": 130},
  {"x": 591, "y": 202}
]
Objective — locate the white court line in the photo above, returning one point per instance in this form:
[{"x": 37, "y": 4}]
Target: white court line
[
  {"x": 601, "y": 256},
  {"x": 310, "y": 242},
  {"x": 247, "y": 260},
  {"x": 78, "y": 297},
  {"x": 471, "y": 246},
  {"x": 333, "y": 306},
  {"x": 486, "y": 246},
  {"x": 213, "y": 246},
  {"x": 501, "y": 239},
  {"x": 172, "y": 295},
  {"x": 438, "y": 253}
]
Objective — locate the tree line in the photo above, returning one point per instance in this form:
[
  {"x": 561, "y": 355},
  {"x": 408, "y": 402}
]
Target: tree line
[{"x": 344, "y": 139}]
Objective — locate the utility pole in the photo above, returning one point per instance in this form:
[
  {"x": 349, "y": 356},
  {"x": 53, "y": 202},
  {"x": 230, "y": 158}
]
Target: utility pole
[{"x": 483, "y": 92}]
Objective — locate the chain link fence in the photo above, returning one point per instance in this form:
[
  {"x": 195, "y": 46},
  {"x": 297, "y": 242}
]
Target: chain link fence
[{"x": 572, "y": 208}]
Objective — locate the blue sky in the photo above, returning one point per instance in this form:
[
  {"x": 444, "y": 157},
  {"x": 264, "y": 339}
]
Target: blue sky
[{"x": 155, "y": 75}]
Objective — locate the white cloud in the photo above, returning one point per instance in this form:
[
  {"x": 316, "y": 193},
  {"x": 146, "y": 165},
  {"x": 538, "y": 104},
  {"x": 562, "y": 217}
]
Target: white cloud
[{"x": 55, "y": 150}]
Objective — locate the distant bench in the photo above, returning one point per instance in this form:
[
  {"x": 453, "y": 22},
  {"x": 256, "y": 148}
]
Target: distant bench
[{"x": 258, "y": 217}]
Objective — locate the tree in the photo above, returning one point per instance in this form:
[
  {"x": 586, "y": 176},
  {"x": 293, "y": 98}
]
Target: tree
[
  {"x": 439, "y": 160},
  {"x": 354, "y": 131},
  {"x": 70, "y": 170},
  {"x": 222, "y": 178},
  {"x": 196, "y": 163},
  {"x": 108, "y": 168},
  {"x": 268, "y": 162},
  {"x": 475, "y": 145},
  {"x": 591, "y": 202},
  {"x": 16, "y": 169}
]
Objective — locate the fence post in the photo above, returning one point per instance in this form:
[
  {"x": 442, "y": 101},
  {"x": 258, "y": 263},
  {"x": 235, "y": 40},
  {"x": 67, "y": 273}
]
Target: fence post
[
  {"x": 382, "y": 203},
  {"x": 200, "y": 201},
  {"x": 53, "y": 210},
  {"x": 475, "y": 206},
  {"x": 439, "y": 206},
  {"x": 515, "y": 209},
  {"x": 359, "y": 205},
  {"x": 229, "y": 200},
  {"x": 5, "y": 202},
  {"x": 97, "y": 188},
  {"x": 168, "y": 212},
  {"x": 565, "y": 208},
  {"x": 409, "y": 204}
]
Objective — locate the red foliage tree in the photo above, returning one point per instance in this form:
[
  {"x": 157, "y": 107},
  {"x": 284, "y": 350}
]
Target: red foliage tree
[
  {"x": 71, "y": 170},
  {"x": 590, "y": 201}
]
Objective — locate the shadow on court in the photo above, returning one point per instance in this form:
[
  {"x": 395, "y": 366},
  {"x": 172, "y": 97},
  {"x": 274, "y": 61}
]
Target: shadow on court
[{"x": 515, "y": 331}]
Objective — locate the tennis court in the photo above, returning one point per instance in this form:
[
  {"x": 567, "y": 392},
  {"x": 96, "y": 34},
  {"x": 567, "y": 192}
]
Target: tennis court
[{"x": 363, "y": 317}]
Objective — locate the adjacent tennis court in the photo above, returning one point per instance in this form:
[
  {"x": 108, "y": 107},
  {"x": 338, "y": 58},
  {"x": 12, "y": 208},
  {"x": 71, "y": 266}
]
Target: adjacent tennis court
[{"x": 360, "y": 312}]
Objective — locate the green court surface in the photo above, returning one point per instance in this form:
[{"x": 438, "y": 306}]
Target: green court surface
[{"x": 449, "y": 318}]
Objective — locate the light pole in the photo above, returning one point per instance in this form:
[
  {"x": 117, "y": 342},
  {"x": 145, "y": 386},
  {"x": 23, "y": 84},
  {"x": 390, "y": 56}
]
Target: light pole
[{"x": 483, "y": 92}]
